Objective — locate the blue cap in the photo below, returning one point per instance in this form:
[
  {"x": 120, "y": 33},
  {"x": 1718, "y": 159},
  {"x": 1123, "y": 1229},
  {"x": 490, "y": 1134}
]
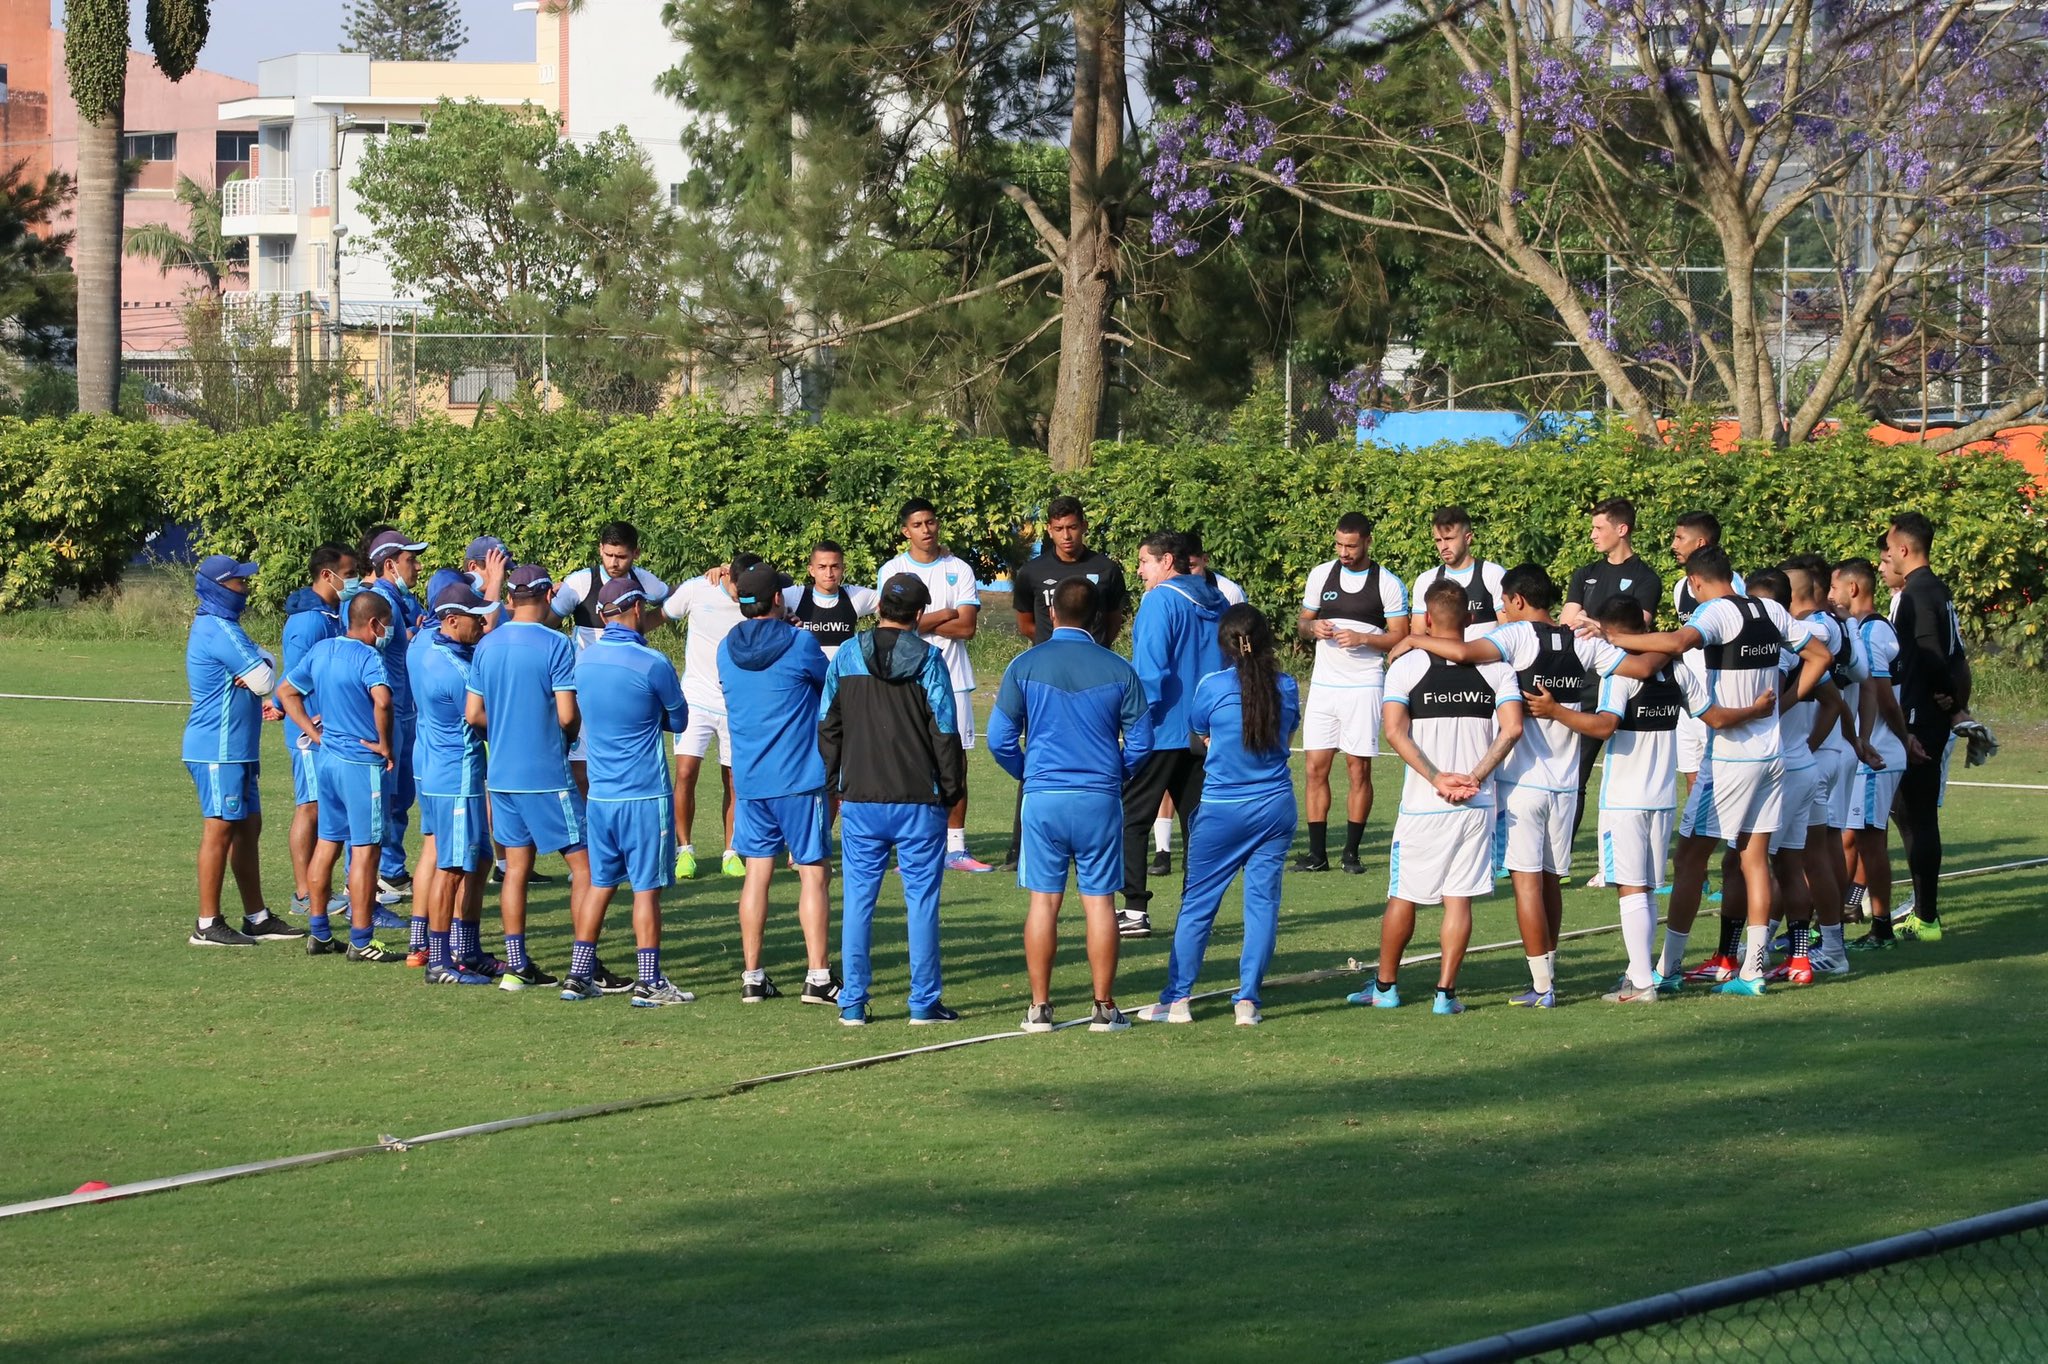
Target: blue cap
[
  {"x": 528, "y": 580},
  {"x": 389, "y": 542},
  {"x": 221, "y": 567},
  {"x": 621, "y": 592},
  {"x": 481, "y": 547},
  {"x": 460, "y": 598}
]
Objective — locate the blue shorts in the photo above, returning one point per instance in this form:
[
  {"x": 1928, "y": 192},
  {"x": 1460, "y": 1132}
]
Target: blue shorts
[
  {"x": 305, "y": 775},
  {"x": 461, "y": 830},
  {"x": 351, "y": 803},
  {"x": 546, "y": 821},
  {"x": 633, "y": 842},
  {"x": 226, "y": 790},
  {"x": 763, "y": 828},
  {"x": 1085, "y": 828}
]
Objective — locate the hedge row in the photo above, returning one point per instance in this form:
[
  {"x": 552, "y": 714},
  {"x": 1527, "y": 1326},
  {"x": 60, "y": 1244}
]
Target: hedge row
[{"x": 700, "y": 485}]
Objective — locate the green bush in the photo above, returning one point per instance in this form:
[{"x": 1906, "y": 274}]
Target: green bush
[{"x": 76, "y": 498}]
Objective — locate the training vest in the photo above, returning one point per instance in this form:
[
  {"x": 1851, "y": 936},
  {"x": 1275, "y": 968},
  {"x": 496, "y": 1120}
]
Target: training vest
[
  {"x": 1845, "y": 657},
  {"x": 1478, "y": 601},
  {"x": 1558, "y": 668},
  {"x": 1656, "y": 705},
  {"x": 1756, "y": 647},
  {"x": 831, "y": 625},
  {"x": 1451, "y": 691},
  {"x": 585, "y": 615},
  {"x": 1363, "y": 605}
]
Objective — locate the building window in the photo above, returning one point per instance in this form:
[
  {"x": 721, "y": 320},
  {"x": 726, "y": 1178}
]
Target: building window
[
  {"x": 675, "y": 196},
  {"x": 147, "y": 147},
  {"x": 468, "y": 387},
  {"x": 233, "y": 147}
]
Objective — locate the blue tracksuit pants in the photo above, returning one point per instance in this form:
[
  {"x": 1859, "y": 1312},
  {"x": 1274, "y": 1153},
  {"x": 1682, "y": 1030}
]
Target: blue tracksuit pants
[
  {"x": 867, "y": 831},
  {"x": 1227, "y": 837},
  {"x": 398, "y": 798}
]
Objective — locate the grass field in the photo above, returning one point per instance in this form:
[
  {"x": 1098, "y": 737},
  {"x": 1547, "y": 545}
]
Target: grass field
[{"x": 1336, "y": 1183}]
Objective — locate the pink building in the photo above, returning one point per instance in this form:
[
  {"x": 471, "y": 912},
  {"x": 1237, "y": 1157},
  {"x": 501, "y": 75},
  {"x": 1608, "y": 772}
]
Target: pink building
[{"x": 172, "y": 129}]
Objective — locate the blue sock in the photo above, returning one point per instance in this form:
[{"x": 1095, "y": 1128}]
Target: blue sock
[
  {"x": 358, "y": 937},
  {"x": 318, "y": 923},
  {"x": 515, "y": 951},
  {"x": 583, "y": 959},
  {"x": 650, "y": 965},
  {"x": 464, "y": 939},
  {"x": 419, "y": 932},
  {"x": 437, "y": 949}
]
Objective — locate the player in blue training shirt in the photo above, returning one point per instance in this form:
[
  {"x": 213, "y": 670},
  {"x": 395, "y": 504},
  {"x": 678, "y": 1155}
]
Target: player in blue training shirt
[
  {"x": 522, "y": 694},
  {"x": 343, "y": 681},
  {"x": 630, "y": 696},
  {"x": 228, "y": 677},
  {"x": 773, "y": 674},
  {"x": 1247, "y": 713},
  {"x": 394, "y": 564},
  {"x": 456, "y": 849},
  {"x": 311, "y": 613}
]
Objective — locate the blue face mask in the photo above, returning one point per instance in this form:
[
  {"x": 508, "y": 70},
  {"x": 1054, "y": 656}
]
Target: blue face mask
[{"x": 217, "y": 600}]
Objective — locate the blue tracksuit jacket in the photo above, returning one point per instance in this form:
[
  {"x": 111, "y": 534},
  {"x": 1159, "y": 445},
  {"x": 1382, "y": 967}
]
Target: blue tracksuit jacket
[{"x": 1084, "y": 713}]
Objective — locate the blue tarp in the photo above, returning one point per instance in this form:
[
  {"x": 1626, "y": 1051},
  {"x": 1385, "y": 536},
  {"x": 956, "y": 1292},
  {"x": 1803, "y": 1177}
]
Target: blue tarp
[{"x": 1418, "y": 430}]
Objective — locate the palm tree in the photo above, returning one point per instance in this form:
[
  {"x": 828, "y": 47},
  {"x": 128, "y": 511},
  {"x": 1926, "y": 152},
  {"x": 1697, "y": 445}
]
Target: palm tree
[{"x": 201, "y": 247}]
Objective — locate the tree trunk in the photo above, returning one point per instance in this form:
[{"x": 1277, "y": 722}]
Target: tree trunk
[
  {"x": 99, "y": 263},
  {"x": 1745, "y": 340},
  {"x": 1094, "y": 151}
]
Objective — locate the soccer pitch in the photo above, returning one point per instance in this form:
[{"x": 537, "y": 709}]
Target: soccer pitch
[{"x": 1338, "y": 1183}]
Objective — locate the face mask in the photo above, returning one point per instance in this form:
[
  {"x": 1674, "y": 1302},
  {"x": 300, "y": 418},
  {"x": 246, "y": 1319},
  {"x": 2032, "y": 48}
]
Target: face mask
[{"x": 383, "y": 638}]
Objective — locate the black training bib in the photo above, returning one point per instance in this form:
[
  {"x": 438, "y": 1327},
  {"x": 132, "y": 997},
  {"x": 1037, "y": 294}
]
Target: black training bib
[
  {"x": 1451, "y": 691},
  {"x": 832, "y": 625},
  {"x": 1478, "y": 601},
  {"x": 1656, "y": 705},
  {"x": 1754, "y": 648},
  {"x": 1558, "y": 668},
  {"x": 1363, "y": 605}
]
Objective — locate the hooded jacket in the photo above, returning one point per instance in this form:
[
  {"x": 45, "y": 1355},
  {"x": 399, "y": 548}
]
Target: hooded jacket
[
  {"x": 889, "y": 733},
  {"x": 1173, "y": 646},
  {"x": 308, "y": 619},
  {"x": 772, "y": 674}
]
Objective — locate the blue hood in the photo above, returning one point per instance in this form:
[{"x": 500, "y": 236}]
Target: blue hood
[
  {"x": 1203, "y": 595},
  {"x": 905, "y": 660},
  {"x": 757, "y": 645},
  {"x": 305, "y": 599}
]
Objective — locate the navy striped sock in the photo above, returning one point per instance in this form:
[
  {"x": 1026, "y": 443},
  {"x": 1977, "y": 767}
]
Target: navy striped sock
[
  {"x": 650, "y": 965},
  {"x": 583, "y": 959},
  {"x": 419, "y": 932},
  {"x": 437, "y": 949},
  {"x": 515, "y": 951}
]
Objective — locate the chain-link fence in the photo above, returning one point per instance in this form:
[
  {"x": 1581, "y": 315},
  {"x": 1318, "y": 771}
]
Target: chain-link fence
[{"x": 1970, "y": 1292}]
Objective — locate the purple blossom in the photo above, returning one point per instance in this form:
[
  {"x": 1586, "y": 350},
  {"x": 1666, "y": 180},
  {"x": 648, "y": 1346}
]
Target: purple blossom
[
  {"x": 1374, "y": 74},
  {"x": 1162, "y": 228},
  {"x": 1186, "y": 246},
  {"x": 1283, "y": 170},
  {"x": 1477, "y": 114},
  {"x": 1185, "y": 87},
  {"x": 1281, "y": 46},
  {"x": 1236, "y": 226}
]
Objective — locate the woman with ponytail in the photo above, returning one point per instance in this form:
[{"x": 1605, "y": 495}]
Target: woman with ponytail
[{"x": 1247, "y": 713}]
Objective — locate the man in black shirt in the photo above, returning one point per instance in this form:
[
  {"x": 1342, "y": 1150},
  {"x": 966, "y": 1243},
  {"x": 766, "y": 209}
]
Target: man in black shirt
[
  {"x": 1934, "y": 688},
  {"x": 1066, "y": 555},
  {"x": 1619, "y": 571}
]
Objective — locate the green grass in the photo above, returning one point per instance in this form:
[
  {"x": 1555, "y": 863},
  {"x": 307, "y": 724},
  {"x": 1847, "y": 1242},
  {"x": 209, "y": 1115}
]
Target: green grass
[{"x": 1336, "y": 1183}]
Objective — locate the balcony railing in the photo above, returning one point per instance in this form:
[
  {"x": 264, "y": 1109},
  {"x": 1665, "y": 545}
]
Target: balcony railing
[
  {"x": 260, "y": 197},
  {"x": 323, "y": 189}
]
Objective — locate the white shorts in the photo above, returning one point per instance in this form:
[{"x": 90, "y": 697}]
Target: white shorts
[
  {"x": 1346, "y": 718},
  {"x": 1692, "y": 742},
  {"x": 1837, "y": 786},
  {"x": 695, "y": 740},
  {"x": 963, "y": 715},
  {"x": 1872, "y": 794},
  {"x": 1533, "y": 829},
  {"x": 1635, "y": 845},
  {"x": 1801, "y": 802},
  {"x": 1734, "y": 798},
  {"x": 1435, "y": 855}
]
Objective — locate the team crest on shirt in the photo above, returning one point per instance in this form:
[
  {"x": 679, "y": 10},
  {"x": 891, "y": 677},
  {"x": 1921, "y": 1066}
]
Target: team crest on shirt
[
  {"x": 1095, "y": 578},
  {"x": 1625, "y": 582},
  {"x": 952, "y": 579}
]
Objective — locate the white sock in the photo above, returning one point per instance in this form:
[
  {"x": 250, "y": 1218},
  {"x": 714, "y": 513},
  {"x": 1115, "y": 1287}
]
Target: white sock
[
  {"x": 819, "y": 977},
  {"x": 1539, "y": 974},
  {"x": 956, "y": 840},
  {"x": 1673, "y": 956},
  {"x": 260, "y": 915},
  {"x": 1831, "y": 939},
  {"x": 731, "y": 851},
  {"x": 1756, "y": 951},
  {"x": 501, "y": 866},
  {"x": 753, "y": 977},
  {"x": 208, "y": 920},
  {"x": 1550, "y": 963},
  {"x": 690, "y": 848},
  {"x": 1162, "y": 834},
  {"x": 1639, "y": 934}
]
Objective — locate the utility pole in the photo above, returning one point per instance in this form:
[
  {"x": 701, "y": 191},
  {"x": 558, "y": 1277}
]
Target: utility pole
[{"x": 341, "y": 123}]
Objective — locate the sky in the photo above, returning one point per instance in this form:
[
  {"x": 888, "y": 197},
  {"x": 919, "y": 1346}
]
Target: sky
[{"x": 244, "y": 32}]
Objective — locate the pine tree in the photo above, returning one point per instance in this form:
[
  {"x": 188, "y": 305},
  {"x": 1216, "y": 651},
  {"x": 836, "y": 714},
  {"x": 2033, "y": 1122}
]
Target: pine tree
[{"x": 404, "y": 30}]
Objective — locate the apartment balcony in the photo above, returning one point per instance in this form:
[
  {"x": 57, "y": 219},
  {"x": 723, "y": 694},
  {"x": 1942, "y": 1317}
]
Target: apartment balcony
[{"x": 263, "y": 207}]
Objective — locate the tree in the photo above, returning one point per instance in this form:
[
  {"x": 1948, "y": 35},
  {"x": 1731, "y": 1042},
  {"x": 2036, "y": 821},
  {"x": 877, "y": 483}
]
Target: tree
[
  {"x": 38, "y": 297},
  {"x": 96, "y": 63},
  {"x": 404, "y": 30},
  {"x": 1912, "y": 134},
  {"x": 201, "y": 248}
]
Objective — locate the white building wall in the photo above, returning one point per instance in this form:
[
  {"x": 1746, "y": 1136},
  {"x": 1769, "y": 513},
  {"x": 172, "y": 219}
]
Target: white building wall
[{"x": 617, "y": 49}]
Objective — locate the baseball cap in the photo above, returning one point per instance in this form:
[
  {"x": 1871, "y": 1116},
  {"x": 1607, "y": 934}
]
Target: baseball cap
[
  {"x": 906, "y": 591},
  {"x": 481, "y": 547},
  {"x": 460, "y": 597},
  {"x": 221, "y": 567},
  {"x": 621, "y": 592},
  {"x": 389, "y": 542},
  {"x": 758, "y": 588},
  {"x": 527, "y": 579}
]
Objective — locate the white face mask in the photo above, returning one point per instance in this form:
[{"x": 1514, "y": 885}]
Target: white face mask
[{"x": 383, "y": 638}]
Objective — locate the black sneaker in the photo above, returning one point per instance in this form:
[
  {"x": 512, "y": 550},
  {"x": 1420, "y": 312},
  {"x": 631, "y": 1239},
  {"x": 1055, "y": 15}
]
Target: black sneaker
[
  {"x": 1353, "y": 867},
  {"x": 533, "y": 878},
  {"x": 324, "y": 947},
  {"x": 1009, "y": 863},
  {"x": 271, "y": 927},
  {"x": 1162, "y": 864},
  {"x": 531, "y": 978},
  {"x": 822, "y": 992},
  {"x": 1133, "y": 923},
  {"x": 376, "y": 951},
  {"x": 218, "y": 934},
  {"x": 1307, "y": 863},
  {"x": 753, "y": 992},
  {"x": 608, "y": 983},
  {"x": 1108, "y": 1018}
]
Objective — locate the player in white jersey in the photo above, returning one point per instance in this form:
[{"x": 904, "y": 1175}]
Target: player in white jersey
[
  {"x": 947, "y": 624},
  {"x": 1737, "y": 801},
  {"x": 1354, "y": 610},
  {"x": 575, "y": 600},
  {"x": 1636, "y": 721},
  {"x": 1452, "y": 724},
  {"x": 1451, "y": 529},
  {"x": 1198, "y": 564},
  {"x": 710, "y": 603},
  {"x": 1539, "y": 784},
  {"x": 1880, "y": 730},
  {"x": 1693, "y": 530}
]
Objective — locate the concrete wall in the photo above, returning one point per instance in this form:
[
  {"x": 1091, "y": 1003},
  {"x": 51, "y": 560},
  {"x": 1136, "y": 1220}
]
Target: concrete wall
[{"x": 617, "y": 48}]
